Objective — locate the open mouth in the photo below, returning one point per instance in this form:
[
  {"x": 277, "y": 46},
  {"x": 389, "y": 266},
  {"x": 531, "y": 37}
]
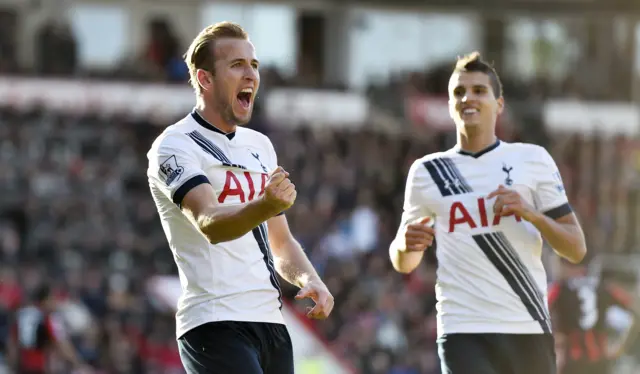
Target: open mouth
[
  {"x": 469, "y": 111},
  {"x": 244, "y": 97}
]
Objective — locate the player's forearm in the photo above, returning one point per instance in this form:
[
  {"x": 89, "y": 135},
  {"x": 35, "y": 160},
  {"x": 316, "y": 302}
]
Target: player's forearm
[
  {"x": 69, "y": 353},
  {"x": 223, "y": 223},
  {"x": 293, "y": 264},
  {"x": 566, "y": 239},
  {"x": 403, "y": 261}
]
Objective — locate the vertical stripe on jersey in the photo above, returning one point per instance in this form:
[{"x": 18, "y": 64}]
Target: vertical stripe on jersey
[
  {"x": 497, "y": 249},
  {"x": 209, "y": 147},
  {"x": 260, "y": 234},
  {"x": 447, "y": 177}
]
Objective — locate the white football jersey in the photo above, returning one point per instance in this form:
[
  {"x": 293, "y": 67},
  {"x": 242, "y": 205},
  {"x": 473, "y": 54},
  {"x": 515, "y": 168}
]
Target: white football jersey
[
  {"x": 490, "y": 277},
  {"x": 230, "y": 281}
]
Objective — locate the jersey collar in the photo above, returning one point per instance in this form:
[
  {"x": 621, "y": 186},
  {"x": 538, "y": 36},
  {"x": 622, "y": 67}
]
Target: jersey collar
[
  {"x": 204, "y": 123},
  {"x": 478, "y": 154}
]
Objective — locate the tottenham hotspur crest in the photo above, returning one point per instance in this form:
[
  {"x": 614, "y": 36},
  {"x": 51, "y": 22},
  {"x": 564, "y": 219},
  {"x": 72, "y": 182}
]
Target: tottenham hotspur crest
[
  {"x": 257, "y": 157},
  {"x": 507, "y": 169},
  {"x": 170, "y": 170}
]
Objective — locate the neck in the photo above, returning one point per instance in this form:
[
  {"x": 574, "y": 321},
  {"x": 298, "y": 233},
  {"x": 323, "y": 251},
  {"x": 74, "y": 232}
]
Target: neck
[
  {"x": 475, "y": 141},
  {"x": 214, "y": 117}
]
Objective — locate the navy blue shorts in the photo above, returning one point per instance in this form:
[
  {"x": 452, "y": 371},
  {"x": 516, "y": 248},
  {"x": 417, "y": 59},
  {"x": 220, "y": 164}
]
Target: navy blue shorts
[
  {"x": 497, "y": 354},
  {"x": 237, "y": 347}
]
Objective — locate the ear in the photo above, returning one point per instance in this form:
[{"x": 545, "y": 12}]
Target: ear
[
  {"x": 204, "y": 79},
  {"x": 500, "y": 105}
]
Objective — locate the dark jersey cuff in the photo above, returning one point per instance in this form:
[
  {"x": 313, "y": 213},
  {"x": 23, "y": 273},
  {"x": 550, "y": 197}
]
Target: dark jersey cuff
[
  {"x": 187, "y": 186},
  {"x": 560, "y": 211}
]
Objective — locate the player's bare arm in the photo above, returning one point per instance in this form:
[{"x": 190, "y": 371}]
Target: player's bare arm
[
  {"x": 293, "y": 265},
  {"x": 563, "y": 234},
  {"x": 67, "y": 351},
  {"x": 407, "y": 249},
  {"x": 221, "y": 223}
]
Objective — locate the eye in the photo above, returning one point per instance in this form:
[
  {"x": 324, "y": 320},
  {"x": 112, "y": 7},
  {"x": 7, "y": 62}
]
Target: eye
[{"x": 480, "y": 90}]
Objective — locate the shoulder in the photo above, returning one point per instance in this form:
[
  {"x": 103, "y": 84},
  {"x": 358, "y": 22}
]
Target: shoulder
[
  {"x": 530, "y": 153},
  {"x": 420, "y": 168},
  {"x": 431, "y": 157},
  {"x": 173, "y": 137},
  {"x": 253, "y": 136},
  {"x": 433, "y": 161},
  {"x": 256, "y": 140}
]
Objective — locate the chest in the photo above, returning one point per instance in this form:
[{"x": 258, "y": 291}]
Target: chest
[
  {"x": 238, "y": 174},
  {"x": 458, "y": 194}
]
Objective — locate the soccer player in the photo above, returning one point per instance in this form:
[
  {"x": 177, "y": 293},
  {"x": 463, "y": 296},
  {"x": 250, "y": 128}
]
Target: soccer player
[
  {"x": 36, "y": 332},
  {"x": 220, "y": 195},
  {"x": 487, "y": 203},
  {"x": 579, "y": 303}
]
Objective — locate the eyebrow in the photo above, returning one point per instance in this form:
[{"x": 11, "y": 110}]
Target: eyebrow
[
  {"x": 253, "y": 61},
  {"x": 474, "y": 86}
]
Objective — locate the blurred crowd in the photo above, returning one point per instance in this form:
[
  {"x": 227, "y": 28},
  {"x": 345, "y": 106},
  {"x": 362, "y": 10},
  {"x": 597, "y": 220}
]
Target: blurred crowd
[{"x": 76, "y": 214}]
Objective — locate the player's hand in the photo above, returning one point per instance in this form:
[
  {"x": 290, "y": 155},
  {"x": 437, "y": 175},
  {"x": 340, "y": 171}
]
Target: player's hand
[
  {"x": 319, "y": 293},
  {"x": 509, "y": 202},
  {"x": 418, "y": 235},
  {"x": 279, "y": 192}
]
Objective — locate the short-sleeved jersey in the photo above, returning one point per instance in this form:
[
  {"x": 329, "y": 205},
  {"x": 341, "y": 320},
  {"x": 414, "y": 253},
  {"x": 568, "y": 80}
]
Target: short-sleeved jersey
[
  {"x": 33, "y": 332},
  {"x": 234, "y": 280},
  {"x": 490, "y": 277},
  {"x": 579, "y": 306}
]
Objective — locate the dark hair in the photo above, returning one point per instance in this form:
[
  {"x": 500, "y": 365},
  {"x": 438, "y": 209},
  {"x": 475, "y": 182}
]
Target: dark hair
[
  {"x": 473, "y": 62},
  {"x": 41, "y": 293}
]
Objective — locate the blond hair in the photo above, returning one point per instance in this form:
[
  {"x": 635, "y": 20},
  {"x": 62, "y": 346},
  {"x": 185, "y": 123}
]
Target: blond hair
[{"x": 200, "y": 53}]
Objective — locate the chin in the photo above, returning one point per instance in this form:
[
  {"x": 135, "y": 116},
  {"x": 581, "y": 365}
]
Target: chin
[
  {"x": 242, "y": 120},
  {"x": 240, "y": 117},
  {"x": 467, "y": 124}
]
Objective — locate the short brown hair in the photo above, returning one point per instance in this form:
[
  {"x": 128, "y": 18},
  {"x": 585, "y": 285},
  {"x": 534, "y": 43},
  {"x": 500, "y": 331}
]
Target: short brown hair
[
  {"x": 200, "y": 52},
  {"x": 473, "y": 62}
]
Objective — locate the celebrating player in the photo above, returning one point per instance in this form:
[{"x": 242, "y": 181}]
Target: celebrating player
[
  {"x": 219, "y": 194},
  {"x": 487, "y": 203},
  {"x": 579, "y": 303}
]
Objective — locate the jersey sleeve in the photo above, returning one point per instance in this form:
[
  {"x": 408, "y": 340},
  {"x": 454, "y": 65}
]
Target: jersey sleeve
[
  {"x": 174, "y": 168},
  {"x": 550, "y": 195},
  {"x": 415, "y": 205}
]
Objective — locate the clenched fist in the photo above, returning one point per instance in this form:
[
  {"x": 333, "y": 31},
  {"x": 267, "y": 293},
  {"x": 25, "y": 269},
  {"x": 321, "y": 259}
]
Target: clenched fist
[
  {"x": 279, "y": 192},
  {"x": 418, "y": 235},
  {"x": 509, "y": 202}
]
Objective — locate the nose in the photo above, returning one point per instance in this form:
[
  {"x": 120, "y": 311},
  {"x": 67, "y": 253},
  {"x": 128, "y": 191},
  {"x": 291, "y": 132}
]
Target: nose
[
  {"x": 251, "y": 74},
  {"x": 468, "y": 97}
]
